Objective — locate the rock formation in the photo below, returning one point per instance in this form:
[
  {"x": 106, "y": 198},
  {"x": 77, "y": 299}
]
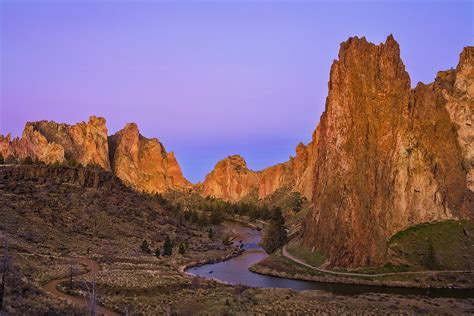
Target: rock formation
[
  {"x": 33, "y": 145},
  {"x": 143, "y": 163},
  {"x": 84, "y": 143},
  {"x": 140, "y": 162},
  {"x": 83, "y": 177},
  {"x": 232, "y": 180},
  {"x": 388, "y": 157}
]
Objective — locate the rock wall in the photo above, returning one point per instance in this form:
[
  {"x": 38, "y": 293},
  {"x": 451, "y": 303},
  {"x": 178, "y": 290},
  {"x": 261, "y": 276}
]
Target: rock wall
[
  {"x": 140, "y": 162},
  {"x": 144, "y": 163},
  {"x": 388, "y": 157},
  {"x": 84, "y": 143},
  {"x": 232, "y": 180},
  {"x": 83, "y": 177},
  {"x": 33, "y": 145}
]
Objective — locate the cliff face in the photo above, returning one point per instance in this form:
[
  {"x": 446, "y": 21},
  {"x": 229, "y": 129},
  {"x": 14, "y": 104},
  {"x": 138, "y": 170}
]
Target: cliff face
[
  {"x": 388, "y": 157},
  {"x": 50, "y": 142},
  {"x": 83, "y": 177},
  {"x": 232, "y": 180},
  {"x": 85, "y": 143},
  {"x": 143, "y": 163},
  {"x": 33, "y": 145},
  {"x": 140, "y": 162}
]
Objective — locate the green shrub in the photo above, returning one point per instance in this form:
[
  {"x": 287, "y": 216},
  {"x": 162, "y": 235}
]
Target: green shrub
[
  {"x": 145, "y": 247},
  {"x": 275, "y": 236},
  {"x": 28, "y": 161},
  {"x": 167, "y": 247}
]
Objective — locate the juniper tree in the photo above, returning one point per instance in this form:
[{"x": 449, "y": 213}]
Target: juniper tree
[
  {"x": 210, "y": 233},
  {"x": 167, "y": 247},
  {"x": 275, "y": 235},
  {"x": 145, "y": 247}
]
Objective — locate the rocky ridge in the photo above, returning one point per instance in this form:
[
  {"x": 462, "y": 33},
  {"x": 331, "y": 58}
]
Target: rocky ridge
[
  {"x": 232, "y": 180},
  {"x": 144, "y": 163},
  {"x": 140, "y": 162},
  {"x": 388, "y": 156}
]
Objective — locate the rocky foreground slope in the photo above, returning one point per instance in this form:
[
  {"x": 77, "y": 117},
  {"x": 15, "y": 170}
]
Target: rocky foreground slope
[
  {"x": 388, "y": 156},
  {"x": 140, "y": 162}
]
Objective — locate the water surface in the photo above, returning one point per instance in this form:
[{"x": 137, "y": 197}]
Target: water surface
[{"x": 236, "y": 271}]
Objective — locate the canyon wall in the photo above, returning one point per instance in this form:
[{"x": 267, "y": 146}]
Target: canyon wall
[
  {"x": 232, "y": 180},
  {"x": 388, "y": 157},
  {"x": 144, "y": 163},
  {"x": 140, "y": 162}
]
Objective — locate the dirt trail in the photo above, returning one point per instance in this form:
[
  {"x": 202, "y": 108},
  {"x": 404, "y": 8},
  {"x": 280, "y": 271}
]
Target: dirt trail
[
  {"x": 94, "y": 267},
  {"x": 293, "y": 258}
]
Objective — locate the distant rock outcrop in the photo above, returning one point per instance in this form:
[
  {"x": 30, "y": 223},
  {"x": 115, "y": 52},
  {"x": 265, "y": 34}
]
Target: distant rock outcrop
[
  {"x": 83, "y": 143},
  {"x": 33, "y": 145},
  {"x": 388, "y": 157},
  {"x": 144, "y": 163},
  {"x": 140, "y": 162},
  {"x": 232, "y": 180}
]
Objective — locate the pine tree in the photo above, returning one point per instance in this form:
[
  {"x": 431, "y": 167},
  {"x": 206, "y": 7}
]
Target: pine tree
[
  {"x": 210, "y": 233},
  {"x": 28, "y": 161},
  {"x": 145, "y": 247},
  {"x": 275, "y": 235},
  {"x": 167, "y": 247}
]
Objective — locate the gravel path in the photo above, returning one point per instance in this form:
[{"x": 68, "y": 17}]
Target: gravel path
[
  {"x": 93, "y": 267},
  {"x": 293, "y": 258}
]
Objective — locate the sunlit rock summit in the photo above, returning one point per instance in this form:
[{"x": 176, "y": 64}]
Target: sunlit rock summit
[
  {"x": 232, "y": 180},
  {"x": 388, "y": 156},
  {"x": 139, "y": 162},
  {"x": 144, "y": 163}
]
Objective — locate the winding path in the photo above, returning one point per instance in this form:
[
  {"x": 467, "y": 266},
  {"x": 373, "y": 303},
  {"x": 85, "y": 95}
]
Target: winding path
[
  {"x": 93, "y": 267},
  {"x": 286, "y": 254}
]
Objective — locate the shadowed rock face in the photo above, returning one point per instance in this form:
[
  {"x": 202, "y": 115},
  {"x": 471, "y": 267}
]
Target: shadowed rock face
[
  {"x": 84, "y": 177},
  {"x": 143, "y": 163},
  {"x": 387, "y": 156}
]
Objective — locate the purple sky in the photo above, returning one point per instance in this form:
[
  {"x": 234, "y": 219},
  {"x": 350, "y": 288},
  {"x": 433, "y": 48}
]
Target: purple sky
[{"x": 209, "y": 79}]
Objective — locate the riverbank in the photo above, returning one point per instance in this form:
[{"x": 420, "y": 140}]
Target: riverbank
[{"x": 281, "y": 266}]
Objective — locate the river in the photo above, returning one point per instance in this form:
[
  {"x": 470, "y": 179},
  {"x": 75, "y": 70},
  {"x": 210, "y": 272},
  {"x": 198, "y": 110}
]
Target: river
[{"x": 235, "y": 271}]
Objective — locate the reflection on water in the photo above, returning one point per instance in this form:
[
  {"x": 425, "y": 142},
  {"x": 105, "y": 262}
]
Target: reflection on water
[{"x": 235, "y": 271}]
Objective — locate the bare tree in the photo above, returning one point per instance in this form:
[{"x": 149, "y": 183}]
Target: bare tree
[
  {"x": 72, "y": 269},
  {"x": 5, "y": 268},
  {"x": 92, "y": 301}
]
